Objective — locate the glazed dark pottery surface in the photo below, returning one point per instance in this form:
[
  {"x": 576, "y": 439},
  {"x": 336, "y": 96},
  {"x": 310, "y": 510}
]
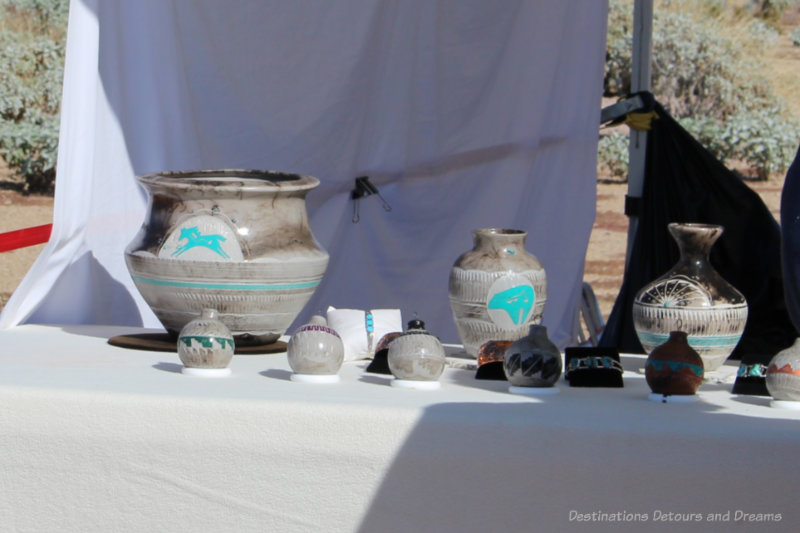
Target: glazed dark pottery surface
[{"x": 533, "y": 361}]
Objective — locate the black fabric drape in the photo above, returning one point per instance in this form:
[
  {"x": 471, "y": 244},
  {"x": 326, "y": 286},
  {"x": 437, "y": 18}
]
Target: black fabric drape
[
  {"x": 683, "y": 182},
  {"x": 790, "y": 239}
]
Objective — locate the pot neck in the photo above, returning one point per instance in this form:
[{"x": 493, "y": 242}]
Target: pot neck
[
  {"x": 500, "y": 240},
  {"x": 695, "y": 240}
]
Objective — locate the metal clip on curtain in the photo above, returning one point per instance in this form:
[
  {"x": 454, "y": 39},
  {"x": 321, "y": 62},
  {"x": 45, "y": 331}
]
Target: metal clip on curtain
[{"x": 365, "y": 188}]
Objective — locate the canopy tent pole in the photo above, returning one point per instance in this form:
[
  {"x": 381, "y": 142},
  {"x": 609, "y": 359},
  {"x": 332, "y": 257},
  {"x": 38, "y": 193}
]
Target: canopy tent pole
[{"x": 641, "y": 74}]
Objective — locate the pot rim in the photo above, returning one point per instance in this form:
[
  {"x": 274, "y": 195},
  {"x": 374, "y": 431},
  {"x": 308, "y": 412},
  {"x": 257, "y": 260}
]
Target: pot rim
[
  {"x": 500, "y": 231},
  {"x": 695, "y": 225},
  {"x": 229, "y": 180}
]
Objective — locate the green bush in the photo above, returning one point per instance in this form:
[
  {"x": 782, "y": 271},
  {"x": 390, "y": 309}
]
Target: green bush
[
  {"x": 613, "y": 154},
  {"x": 794, "y": 35},
  {"x": 32, "y": 35}
]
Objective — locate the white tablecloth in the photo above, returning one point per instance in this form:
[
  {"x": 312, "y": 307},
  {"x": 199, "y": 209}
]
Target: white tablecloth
[{"x": 99, "y": 438}]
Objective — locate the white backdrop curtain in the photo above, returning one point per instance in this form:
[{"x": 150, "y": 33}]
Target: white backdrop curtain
[{"x": 464, "y": 113}]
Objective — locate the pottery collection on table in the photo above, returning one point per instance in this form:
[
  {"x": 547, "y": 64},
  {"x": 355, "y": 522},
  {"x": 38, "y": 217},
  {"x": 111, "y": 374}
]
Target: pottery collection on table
[
  {"x": 692, "y": 297},
  {"x": 238, "y": 241},
  {"x": 227, "y": 257},
  {"x": 497, "y": 289}
]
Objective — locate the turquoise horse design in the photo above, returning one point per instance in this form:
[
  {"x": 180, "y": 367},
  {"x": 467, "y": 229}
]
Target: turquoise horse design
[
  {"x": 516, "y": 301},
  {"x": 194, "y": 238}
]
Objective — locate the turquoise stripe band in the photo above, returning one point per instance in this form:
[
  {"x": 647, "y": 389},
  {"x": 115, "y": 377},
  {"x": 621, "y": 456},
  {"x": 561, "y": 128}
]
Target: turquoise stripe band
[
  {"x": 714, "y": 341},
  {"x": 228, "y": 286}
]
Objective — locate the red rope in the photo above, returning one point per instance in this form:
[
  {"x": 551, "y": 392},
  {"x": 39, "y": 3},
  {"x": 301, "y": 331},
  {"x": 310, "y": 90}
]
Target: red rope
[{"x": 22, "y": 238}]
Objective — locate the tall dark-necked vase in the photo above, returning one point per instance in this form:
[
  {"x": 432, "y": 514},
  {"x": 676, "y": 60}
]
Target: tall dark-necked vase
[{"x": 692, "y": 297}]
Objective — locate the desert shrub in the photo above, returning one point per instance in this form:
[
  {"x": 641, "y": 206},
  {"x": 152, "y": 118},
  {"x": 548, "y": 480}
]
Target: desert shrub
[
  {"x": 708, "y": 132},
  {"x": 31, "y": 70},
  {"x": 613, "y": 154},
  {"x": 794, "y": 35},
  {"x": 770, "y": 9},
  {"x": 697, "y": 68},
  {"x": 764, "y": 139},
  {"x": 706, "y": 72}
]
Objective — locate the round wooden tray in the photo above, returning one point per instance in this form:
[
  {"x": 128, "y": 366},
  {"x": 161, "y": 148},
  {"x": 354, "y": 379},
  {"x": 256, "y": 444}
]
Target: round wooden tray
[{"x": 162, "y": 342}]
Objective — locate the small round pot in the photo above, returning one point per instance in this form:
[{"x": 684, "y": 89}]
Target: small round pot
[
  {"x": 206, "y": 346},
  {"x": 783, "y": 374},
  {"x": 674, "y": 368},
  {"x": 416, "y": 358},
  {"x": 315, "y": 352}
]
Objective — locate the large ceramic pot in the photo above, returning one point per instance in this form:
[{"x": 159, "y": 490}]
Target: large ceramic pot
[
  {"x": 497, "y": 289},
  {"x": 237, "y": 241},
  {"x": 692, "y": 297}
]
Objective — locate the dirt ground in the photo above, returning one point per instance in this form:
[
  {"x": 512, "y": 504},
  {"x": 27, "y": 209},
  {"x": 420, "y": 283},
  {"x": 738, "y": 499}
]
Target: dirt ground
[
  {"x": 605, "y": 258},
  {"x": 18, "y": 211}
]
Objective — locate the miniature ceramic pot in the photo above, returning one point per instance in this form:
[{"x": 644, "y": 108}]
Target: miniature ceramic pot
[
  {"x": 694, "y": 298},
  {"x": 315, "y": 352},
  {"x": 205, "y": 345},
  {"x": 783, "y": 374},
  {"x": 416, "y": 358},
  {"x": 235, "y": 240},
  {"x": 497, "y": 289},
  {"x": 380, "y": 362},
  {"x": 493, "y": 352},
  {"x": 674, "y": 367},
  {"x": 490, "y": 360},
  {"x": 533, "y": 361}
]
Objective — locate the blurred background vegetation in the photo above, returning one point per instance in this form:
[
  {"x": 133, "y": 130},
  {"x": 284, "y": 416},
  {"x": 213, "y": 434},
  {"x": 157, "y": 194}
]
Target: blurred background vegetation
[
  {"x": 32, "y": 43},
  {"x": 727, "y": 70},
  {"x": 719, "y": 66}
]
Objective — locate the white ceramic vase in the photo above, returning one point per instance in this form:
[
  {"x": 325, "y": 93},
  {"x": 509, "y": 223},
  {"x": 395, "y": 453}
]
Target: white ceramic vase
[
  {"x": 235, "y": 240},
  {"x": 497, "y": 289},
  {"x": 692, "y": 297}
]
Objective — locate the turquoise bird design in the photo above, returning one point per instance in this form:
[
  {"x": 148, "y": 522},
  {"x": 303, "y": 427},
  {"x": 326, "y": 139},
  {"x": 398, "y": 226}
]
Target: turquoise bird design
[{"x": 516, "y": 301}]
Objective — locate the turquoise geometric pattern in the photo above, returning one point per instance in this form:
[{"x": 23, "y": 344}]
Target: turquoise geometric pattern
[
  {"x": 206, "y": 342},
  {"x": 675, "y": 366}
]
